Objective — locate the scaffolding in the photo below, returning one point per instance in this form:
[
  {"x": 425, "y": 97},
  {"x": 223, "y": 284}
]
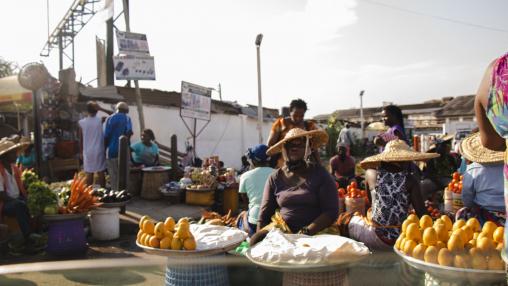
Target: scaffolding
[{"x": 77, "y": 16}]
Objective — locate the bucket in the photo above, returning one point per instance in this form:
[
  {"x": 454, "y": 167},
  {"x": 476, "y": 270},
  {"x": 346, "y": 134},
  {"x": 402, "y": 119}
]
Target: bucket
[
  {"x": 333, "y": 278},
  {"x": 66, "y": 237},
  {"x": 105, "y": 223}
]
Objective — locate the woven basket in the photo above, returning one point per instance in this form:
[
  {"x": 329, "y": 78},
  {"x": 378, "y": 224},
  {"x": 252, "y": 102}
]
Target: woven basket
[
  {"x": 152, "y": 181},
  {"x": 200, "y": 198},
  {"x": 334, "y": 278}
]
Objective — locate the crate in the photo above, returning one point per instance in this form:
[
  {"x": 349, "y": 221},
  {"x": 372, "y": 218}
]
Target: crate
[{"x": 200, "y": 198}]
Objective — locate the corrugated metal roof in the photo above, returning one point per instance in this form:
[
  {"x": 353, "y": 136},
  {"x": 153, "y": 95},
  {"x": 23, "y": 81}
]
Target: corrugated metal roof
[{"x": 457, "y": 107}]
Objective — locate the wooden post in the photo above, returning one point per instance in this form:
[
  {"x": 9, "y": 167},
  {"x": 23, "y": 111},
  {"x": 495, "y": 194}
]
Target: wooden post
[{"x": 123, "y": 162}]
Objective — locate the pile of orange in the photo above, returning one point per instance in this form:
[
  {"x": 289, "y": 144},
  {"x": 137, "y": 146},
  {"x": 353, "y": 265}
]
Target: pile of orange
[
  {"x": 455, "y": 186},
  {"x": 166, "y": 235},
  {"x": 461, "y": 244}
]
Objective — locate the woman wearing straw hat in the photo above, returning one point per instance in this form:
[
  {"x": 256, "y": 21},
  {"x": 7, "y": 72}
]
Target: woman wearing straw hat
[
  {"x": 396, "y": 190},
  {"x": 303, "y": 191},
  {"x": 12, "y": 192},
  {"x": 482, "y": 186}
]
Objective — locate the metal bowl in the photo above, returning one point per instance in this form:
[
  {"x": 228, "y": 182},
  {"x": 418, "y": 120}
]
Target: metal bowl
[{"x": 474, "y": 276}]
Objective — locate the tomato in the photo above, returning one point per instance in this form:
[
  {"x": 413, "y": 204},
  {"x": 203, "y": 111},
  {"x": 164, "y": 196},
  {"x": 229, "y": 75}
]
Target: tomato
[
  {"x": 450, "y": 186},
  {"x": 363, "y": 193},
  {"x": 354, "y": 185},
  {"x": 456, "y": 176},
  {"x": 461, "y": 178},
  {"x": 429, "y": 209}
]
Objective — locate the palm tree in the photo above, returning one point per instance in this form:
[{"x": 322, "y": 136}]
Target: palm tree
[{"x": 7, "y": 68}]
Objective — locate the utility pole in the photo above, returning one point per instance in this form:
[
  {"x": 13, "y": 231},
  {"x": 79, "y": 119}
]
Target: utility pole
[
  {"x": 259, "y": 38},
  {"x": 362, "y": 120},
  {"x": 139, "y": 101},
  {"x": 110, "y": 72}
]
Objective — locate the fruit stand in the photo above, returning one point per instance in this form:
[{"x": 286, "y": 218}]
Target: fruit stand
[
  {"x": 193, "y": 242},
  {"x": 457, "y": 253}
]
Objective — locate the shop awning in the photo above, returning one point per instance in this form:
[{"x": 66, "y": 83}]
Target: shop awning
[{"x": 12, "y": 91}]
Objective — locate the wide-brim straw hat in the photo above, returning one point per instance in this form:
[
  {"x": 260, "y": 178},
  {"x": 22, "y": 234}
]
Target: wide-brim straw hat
[
  {"x": 396, "y": 151},
  {"x": 472, "y": 149},
  {"x": 8, "y": 144},
  {"x": 317, "y": 137}
]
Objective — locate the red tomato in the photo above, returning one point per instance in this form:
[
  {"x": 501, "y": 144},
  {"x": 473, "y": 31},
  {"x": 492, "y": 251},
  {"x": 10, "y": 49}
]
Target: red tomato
[
  {"x": 429, "y": 209},
  {"x": 363, "y": 193},
  {"x": 450, "y": 186},
  {"x": 353, "y": 184},
  {"x": 456, "y": 176}
]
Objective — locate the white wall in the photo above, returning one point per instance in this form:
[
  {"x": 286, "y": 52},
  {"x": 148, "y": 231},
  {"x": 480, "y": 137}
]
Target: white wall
[{"x": 227, "y": 136}]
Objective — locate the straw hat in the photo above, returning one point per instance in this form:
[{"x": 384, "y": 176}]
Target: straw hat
[
  {"x": 472, "y": 149},
  {"x": 318, "y": 137},
  {"x": 12, "y": 143},
  {"x": 396, "y": 151}
]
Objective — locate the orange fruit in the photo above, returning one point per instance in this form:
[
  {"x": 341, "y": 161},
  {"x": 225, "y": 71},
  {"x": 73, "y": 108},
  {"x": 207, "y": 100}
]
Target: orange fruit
[
  {"x": 489, "y": 228},
  {"x": 169, "y": 223},
  {"x": 429, "y": 236},
  {"x": 462, "y": 260},
  {"x": 146, "y": 242},
  {"x": 447, "y": 221},
  {"x": 425, "y": 221},
  {"x": 413, "y": 218},
  {"x": 430, "y": 255},
  {"x": 468, "y": 232},
  {"x": 165, "y": 243},
  {"x": 176, "y": 244},
  {"x": 455, "y": 243},
  {"x": 479, "y": 262},
  {"x": 495, "y": 262},
  {"x": 154, "y": 242},
  {"x": 419, "y": 251},
  {"x": 440, "y": 245},
  {"x": 474, "y": 224},
  {"x": 138, "y": 236},
  {"x": 189, "y": 244},
  {"x": 399, "y": 240},
  {"x": 462, "y": 234},
  {"x": 148, "y": 227},
  {"x": 409, "y": 246},
  {"x": 413, "y": 232},
  {"x": 142, "y": 220},
  {"x": 458, "y": 224},
  {"x": 160, "y": 230},
  {"x": 445, "y": 257},
  {"x": 485, "y": 245},
  {"x": 498, "y": 235}
]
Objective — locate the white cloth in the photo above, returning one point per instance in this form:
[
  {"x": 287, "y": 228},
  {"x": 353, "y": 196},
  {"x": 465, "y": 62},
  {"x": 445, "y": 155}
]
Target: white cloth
[
  {"x": 280, "y": 248},
  {"x": 216, "y": 236},
  {"x": 94, "y": 153},
  {"x": 361, "y": 231},
  {"x": 13, "y": 190}
]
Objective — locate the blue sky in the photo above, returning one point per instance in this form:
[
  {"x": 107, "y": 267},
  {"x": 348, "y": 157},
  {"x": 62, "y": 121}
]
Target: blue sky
[{"x": 323, "y": 51}]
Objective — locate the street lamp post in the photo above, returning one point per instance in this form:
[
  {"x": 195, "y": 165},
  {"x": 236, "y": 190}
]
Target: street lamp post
[
  {"x": 259, "y": 38},
  {"x": 362, "y": 120}
]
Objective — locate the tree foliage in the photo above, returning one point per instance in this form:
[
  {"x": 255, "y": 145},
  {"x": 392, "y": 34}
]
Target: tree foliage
[{"x": 7, "y": 68}]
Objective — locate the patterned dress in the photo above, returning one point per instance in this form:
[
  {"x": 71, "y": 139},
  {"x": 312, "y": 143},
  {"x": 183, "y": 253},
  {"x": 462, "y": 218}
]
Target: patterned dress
[
  {"x": 391, "y": 205},
  {"x": 497, "y": 113}
]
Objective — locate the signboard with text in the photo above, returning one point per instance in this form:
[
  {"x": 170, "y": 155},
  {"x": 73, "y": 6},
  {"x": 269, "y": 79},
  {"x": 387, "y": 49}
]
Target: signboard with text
[
  {"x": 133, "y": 67},
  {"x": 132, "y": 43},
  {"x": 196, "y": 101}
]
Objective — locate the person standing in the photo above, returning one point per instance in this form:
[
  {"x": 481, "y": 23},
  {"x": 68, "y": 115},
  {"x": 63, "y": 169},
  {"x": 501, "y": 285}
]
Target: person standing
[
  {"x": 92, "y": 145},
  {"x": 281, "y": 127},
  {"x": 394, "y": 120},
  {"x": 345, "y": 137},
  {"x": 342, "y": 166},
  {"x": 252, "y": 185},
  {"x": 116, "y": 125}
]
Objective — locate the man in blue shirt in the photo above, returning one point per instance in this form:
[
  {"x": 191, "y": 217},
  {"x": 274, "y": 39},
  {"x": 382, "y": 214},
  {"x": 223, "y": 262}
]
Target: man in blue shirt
[{"x": 116, "y": 125}]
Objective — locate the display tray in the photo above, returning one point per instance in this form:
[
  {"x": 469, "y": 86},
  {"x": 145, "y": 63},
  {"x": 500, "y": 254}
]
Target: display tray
[
  {"x": 156, "y": 169},
  {"x": 453, "y": 273},
  {"x": 320, "y": 267},
  {"x": 227, "y": 246},
  {"x": 60, "y": 217}
]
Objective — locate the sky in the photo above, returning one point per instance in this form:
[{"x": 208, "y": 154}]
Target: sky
[{"x": 323, "y": 51}]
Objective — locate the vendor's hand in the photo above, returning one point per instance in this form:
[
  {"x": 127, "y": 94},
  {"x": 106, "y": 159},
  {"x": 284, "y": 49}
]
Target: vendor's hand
[{"x": 258, "y": 236}]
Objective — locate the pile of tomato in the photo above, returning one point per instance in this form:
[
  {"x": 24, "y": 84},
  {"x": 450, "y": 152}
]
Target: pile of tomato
[
  {"x": 353, "y": 192},
  {"x": 455, "y": 185}
]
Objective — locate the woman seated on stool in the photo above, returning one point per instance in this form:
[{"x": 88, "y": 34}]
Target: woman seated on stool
[
  {"x": 396, "y": 190},
  {"x": 145, "y": 152},
  {"x": 252, "y": 185},
  {"x": 482, "y": 186},
  {"x": 303, "y": 191},
  {"x": 12, "y": 192}
]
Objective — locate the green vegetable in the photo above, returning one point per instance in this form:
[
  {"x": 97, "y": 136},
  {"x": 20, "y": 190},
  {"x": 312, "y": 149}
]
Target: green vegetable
[
  {"x": 39, "y": 197},
  {"x": 28, "y": 177}
]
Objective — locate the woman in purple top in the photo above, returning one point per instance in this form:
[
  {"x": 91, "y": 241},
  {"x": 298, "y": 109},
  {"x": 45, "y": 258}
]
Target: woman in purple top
[
  {"x": 393, "y": 118},
  {"x": 304, "y": 192}
]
